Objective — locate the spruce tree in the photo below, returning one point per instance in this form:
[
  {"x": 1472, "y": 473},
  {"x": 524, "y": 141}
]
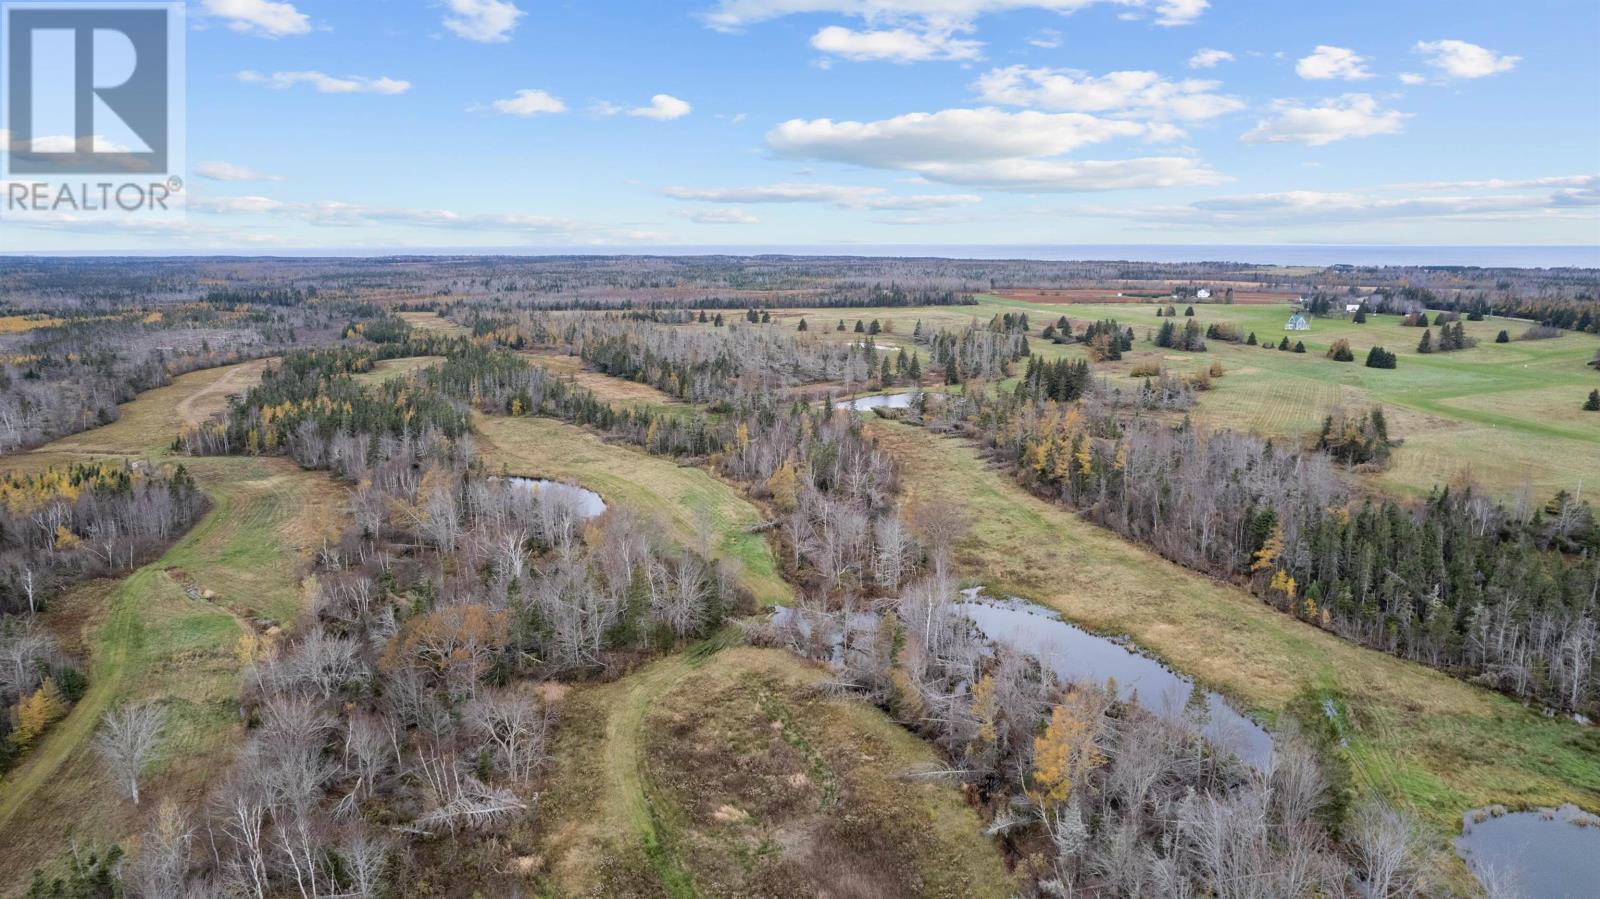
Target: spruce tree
[
  {"x": 1299, "y": 346},
  {"x": 1502, "y": 337},
  {"x": 861, "y": 327},
  {"x": 1593, "y": 405},
  {"x": 802, "y": 326},
  {"x": 1361, "y": 316},
  {"x": 1251, "y": 340},
  {"x": 1425, "y": 345}
]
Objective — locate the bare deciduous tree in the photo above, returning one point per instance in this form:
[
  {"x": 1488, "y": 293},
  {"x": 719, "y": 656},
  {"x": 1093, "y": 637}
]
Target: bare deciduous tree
[{"x": 127, "y": 741}]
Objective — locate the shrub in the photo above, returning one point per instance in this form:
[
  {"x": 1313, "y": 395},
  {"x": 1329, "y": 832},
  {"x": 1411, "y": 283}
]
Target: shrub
[
  {"x": 1341, "y": 352},
  {"x": 1540, "y": 332},
  {"x": 1379, "y": 357},
  {"x": 1145, "y": 370},
  {"x": 1215, "y": 370}
]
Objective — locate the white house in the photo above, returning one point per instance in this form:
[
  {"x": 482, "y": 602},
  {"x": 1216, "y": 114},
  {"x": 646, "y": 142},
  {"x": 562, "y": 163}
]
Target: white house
[
  {"x": 1352, "y": 308},
  {"x": 1202, "y": 294},
  {"x": 1297, "y": 322}
]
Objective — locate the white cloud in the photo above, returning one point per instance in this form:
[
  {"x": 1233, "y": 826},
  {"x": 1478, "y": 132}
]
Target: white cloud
[
  {"x": 485, "y": 21},
  {"x": 1413, "y": 79},
  {"x": 894, "y": 45},
  {"x": 1577, "y": 200},
  {"x": 528, "y": 103},
  {"x": 1352, "y": 115},
  {"x": 227, "y": 171},
  {"x": 1459, "y": 59},
  {"x": 1328, "y": 63},
  {"x": 722, "y": 217},
  {"x": 338, "y": 214},
  {"x": 991, "y": 148},
  {"x": 327, "y": 84},
  {"x": 1046, "y": 39},
  {"x": 842, "y": 196},
  {"x": 951, "y": 134},
  {"x": 662, "y": 108},
  {"x": 1133, "y": 93},
  {"x": 732, "y": 15},
  {"x": 1590, "y": 182},
  {"x": 261, "y": 17},
  {"x": 1179, "y": 12},
  {"x": 1208, "y": 58}
]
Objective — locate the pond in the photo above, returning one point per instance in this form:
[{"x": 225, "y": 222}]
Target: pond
[
  {"x": 877, "y": 401},
  {"x": 1076, "y": 654},
  {"x": 587, "y": 502},
  {"x": 1542, "y": 854}
]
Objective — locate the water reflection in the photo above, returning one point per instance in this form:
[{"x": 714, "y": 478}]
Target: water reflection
[
  {"x": 1075, "y": 654},
  {"x": 587, "y": 503},
  {"x": 1543, "y": 854}
]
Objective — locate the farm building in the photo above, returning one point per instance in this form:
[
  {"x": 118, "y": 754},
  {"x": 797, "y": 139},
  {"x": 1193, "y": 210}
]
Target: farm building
[
  {"x": 1202, "y": 294},
  {"x": 1298, "y": 322},
  {"x": 1352, "y": 308}
]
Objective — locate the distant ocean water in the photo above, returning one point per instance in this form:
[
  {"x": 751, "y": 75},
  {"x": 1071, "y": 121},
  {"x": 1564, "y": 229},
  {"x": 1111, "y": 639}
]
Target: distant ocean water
[{"x": 1567, "y": 256}]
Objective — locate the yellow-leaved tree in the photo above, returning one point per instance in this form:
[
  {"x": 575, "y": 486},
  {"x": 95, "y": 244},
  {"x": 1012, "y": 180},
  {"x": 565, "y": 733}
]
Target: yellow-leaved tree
[
  {"x": 34, "y": 714},
  {"x": 1068, "y": 751}
]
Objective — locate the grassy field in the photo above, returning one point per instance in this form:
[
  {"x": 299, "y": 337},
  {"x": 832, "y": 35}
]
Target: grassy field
[
  {"x": 680, "y": 496},
  {"x": 148, "y": 638},
  {"x": 611, "y": 390},
  {"x": 1504, "y": 415},
  {"x": 724, "y": 773},
  {"x": 428, "y": 321},
  {"x": 1423, "y": 738},
  {"x": 389, "y": 369}
]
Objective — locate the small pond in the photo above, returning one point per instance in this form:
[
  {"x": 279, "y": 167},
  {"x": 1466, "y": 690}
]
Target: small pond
[
  {"x": 1076, "y": 654},
  {"x": 587, "y": 502},
  {"x": 1542, "y": 854},
  {"x": 877, "y": 401}
]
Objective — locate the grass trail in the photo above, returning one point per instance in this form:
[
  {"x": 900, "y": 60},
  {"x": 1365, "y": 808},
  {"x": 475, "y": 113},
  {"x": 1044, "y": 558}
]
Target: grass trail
[{"x": 148, "y": 638}]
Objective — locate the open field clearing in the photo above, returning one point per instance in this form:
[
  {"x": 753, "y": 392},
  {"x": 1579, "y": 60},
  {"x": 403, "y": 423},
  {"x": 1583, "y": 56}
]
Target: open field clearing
[
  {"x": 725, "y": 773},
  {"x": 1426, "y": 740},
  {"x": 688, "y": 500},
  {"x": 611, "y": 390},
  {"x": 429, "y": 321},
  {"x": 1135, "y": 293},
  {"x": 1506, "y": 415},
  {"x": 169, "y": 631},
  {"x": 389, "y": 369}
]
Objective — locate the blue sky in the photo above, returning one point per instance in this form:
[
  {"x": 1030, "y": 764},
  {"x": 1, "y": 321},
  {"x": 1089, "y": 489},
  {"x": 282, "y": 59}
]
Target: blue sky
[{"x": 529, "y": 123}]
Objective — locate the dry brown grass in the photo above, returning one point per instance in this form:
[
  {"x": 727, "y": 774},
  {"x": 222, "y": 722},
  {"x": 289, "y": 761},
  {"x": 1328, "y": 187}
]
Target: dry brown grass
[
  {"x": 607, "y": 388},
  {"x": 731, "y": 775}
]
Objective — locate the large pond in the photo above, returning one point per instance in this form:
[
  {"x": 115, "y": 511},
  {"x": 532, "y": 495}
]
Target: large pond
[
  {"x": 1543, "y": 854},
  {"x": 877, "y": 401},
  {"x": 1076, "y": 654},
  {"x": 587, "y": 502}
]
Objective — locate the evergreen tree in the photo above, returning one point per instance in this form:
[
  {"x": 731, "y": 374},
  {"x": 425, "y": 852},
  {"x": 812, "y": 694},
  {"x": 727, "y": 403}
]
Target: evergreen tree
[
  {"x": 861, "y": 327},
  {"x": 1502, "y": 337},
  {"x": 1251, "y": 340},
  {"x": 1361, "y": 315},
  {"x": 802, "y": 326},
  {"x": 874, "y": 328},
  {"x": 914, "y": 370},
  {"x": 1593, "y": 405},
  {"x": 1422, "y": 320},
  {"x": 841, "y": 325},
  {"x": 1189, "y": 312},
  {"x": 1299, "y": 346},
  {"x": 1284, "y": 343},
  {"x": 1379, "y": 357},
  {"x": 1425, "y": 345}
]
